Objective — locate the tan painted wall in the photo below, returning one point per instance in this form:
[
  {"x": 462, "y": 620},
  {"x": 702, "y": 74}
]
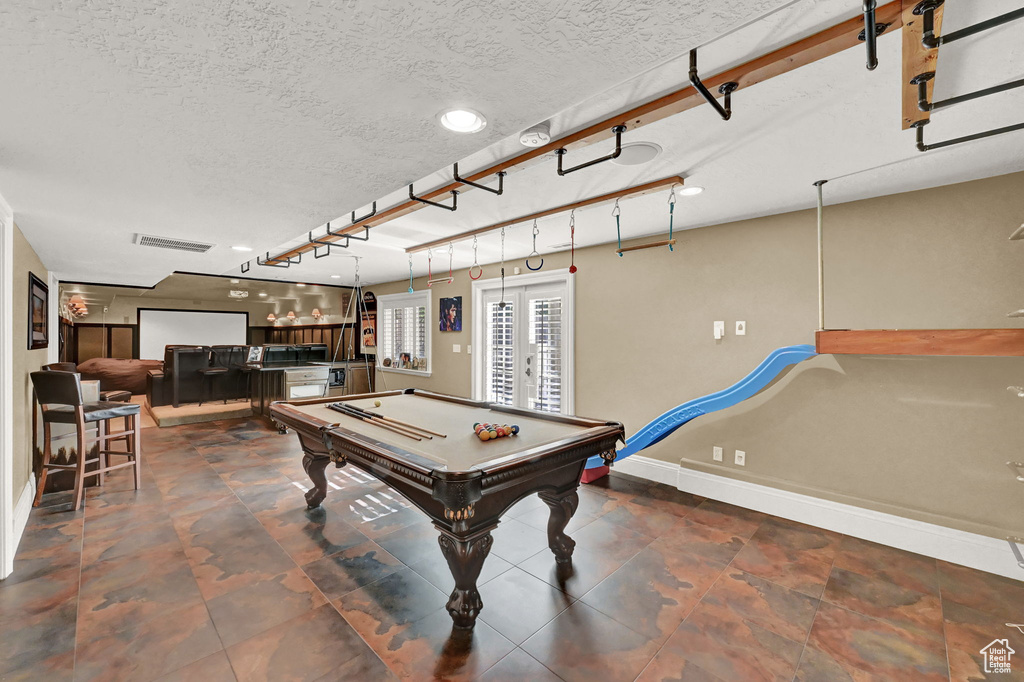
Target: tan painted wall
[
  {"x": 25, "y": 361},
  {"x": 926, "y": 438}
]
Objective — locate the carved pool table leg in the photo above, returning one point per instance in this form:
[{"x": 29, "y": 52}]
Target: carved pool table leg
[
  {"x": 314, "y": 467},
  {"x": 465, "y": 559},
  {"x": 563, "y": 506}
]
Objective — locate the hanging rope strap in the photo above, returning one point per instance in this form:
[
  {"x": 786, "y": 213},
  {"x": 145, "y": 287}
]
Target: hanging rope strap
[
  {"x": 618, "y": 228},
  {"x": 475, "y": 264},
  {"x": 536, "y": 231},
  {"x": 501, "y": 305},
  {"x": 572, "y": 242},
  {"x": 410, "y": 273},
  {"x": 671, "y": 213},
  {"x": 451, "y": 251}
]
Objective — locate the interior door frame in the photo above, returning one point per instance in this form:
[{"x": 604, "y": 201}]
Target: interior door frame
[
  {"x": 8, "y": 539},
  {"x": 557, "y": 277}
]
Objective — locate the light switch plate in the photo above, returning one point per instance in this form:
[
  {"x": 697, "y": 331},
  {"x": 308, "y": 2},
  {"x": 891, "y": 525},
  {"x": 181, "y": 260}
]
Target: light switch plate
[
  {"x": 469, "y": 349},
  {"x": 456, "y": 348},
  {"x": 716, "y": 453},
  {"x": 719, "y": 329},
  {"x": 741, "y": 328}
]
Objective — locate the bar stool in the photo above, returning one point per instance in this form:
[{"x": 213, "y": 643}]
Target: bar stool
[
  {"x": 208, "y": 376},
  {"x": 60, "y": 395}
]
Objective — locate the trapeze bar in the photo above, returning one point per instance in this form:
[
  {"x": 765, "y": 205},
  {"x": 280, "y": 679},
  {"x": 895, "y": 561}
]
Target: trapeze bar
[
  {"x": 637, "y": 247},
  {"x": 725, "y": 88},
  {"x": 463, "y": 181},
  {"x": 1016, "y": 468}
]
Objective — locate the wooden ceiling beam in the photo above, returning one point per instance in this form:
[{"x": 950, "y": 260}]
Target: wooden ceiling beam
[
  {"x": 628, "y": 193},
  {"x": 917, "y": 59},
  {"x": 820, "y": 45}
]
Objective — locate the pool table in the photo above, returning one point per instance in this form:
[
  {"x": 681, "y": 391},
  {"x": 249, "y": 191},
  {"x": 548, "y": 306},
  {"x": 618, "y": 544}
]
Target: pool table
[{"x": 462, "y": 483}]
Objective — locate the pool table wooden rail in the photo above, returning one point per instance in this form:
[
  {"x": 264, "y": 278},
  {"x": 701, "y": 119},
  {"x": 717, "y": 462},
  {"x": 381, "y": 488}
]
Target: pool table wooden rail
[{"x": 464, "y": 505}]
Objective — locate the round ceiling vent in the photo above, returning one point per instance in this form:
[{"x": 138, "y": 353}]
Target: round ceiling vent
[{"x": 637, "y": 153}]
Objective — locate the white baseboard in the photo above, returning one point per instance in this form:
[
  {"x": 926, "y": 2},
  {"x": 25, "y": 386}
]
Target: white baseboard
[
  {"x": 651, "y": 469},
  {"x": 22, "y": 509},
  {"x": 955, "y": 546},
  {"x": 948, "y": 544}
]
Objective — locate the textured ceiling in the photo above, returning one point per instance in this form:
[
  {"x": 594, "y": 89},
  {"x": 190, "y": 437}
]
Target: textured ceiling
[
  {"x": 248, "y": 122},
  {"x": 256, "y": 124}
]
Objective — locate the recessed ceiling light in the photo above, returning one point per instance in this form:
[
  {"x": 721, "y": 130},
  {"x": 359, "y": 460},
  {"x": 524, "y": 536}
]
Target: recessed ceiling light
[
  {"x": 234, "y": 281},
  {"x": 263, "y": 293},
  {"x": 335, "y": 276},
  {"x": 463, "y": 120},
  {"x": 241, "y": 248},
  {"x": 299, "y": 284},
  {"x": 637, "y": 153},
  {"x": 691, "y": 190}
]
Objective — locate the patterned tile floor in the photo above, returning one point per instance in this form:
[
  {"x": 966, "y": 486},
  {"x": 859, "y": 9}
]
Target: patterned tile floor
[{"x": 216, "y": 571}]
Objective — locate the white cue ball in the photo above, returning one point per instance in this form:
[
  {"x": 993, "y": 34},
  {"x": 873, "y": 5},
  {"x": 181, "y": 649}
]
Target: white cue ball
[{"x": 376, "y": 403}]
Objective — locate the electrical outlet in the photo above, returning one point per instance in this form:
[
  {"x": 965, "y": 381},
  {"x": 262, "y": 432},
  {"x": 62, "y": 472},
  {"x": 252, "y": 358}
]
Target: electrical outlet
[
  {"x": 741, "y": 458},
  {"x": 741, "y": 328},
  {"x": 716, "y": 453}
]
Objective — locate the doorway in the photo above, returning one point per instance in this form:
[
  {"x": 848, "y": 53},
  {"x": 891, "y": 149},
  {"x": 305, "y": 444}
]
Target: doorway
[{"x": 524, "y": 336}]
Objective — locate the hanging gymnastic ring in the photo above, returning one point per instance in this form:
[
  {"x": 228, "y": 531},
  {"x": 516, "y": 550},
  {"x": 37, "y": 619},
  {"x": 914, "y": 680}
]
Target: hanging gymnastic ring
[
  {"x": 530, "y": 267},
  {"x": 471, "y": 272}
]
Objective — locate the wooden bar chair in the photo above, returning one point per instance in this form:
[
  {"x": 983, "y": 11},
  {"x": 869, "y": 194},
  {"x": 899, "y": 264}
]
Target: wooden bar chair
[{"x": 60, "y": 396}]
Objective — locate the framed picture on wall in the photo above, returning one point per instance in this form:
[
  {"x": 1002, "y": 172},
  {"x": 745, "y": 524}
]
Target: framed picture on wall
[
  {"x": 451, "y": 314},
  {"x": 38, "y": 313}
]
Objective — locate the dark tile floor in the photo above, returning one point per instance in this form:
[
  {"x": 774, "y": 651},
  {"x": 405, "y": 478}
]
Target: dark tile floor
[{"x": 216, "y": 571}]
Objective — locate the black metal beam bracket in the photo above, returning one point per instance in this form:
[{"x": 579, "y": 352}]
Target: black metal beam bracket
[
  {"x": 618, "y": 130},
  {"x": 464, "y": 181},
  {"x": 926, "y": 10},
  {"x": 921, "y": 81},
  {"x": 372, "y": 213},
  {"x": 320, "y": 242},
  {"x": 428, "y": 202},
  {"x": 287, "y": 262},
  {"x": 348, "y": 237},
  {"x": 245, "y": 267},
  {"x": 725, "y": 89},
  {"x": 922, "y": 147}
]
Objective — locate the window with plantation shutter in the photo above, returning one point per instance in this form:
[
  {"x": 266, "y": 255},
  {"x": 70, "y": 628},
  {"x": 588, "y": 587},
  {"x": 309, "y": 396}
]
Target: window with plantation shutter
[
  {"x": 546, "y": 344},
  {"x": 403, "y": 332}
]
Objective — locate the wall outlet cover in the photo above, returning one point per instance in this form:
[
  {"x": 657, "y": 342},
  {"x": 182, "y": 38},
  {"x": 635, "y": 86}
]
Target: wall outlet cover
[
  {"x": 741, "y": 458},
  {"x": 741, "y": 328}
]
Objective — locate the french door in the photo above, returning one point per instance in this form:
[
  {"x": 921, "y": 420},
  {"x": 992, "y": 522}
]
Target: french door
[{"x": 525, "y": 342}]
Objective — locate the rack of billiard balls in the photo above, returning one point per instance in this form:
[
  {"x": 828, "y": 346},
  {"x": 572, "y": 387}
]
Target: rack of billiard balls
[{"x": 492, "y": 431}]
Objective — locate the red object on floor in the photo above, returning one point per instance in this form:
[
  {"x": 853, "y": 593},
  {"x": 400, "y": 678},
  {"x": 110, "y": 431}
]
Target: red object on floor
[{"x": 590, "y": 475}]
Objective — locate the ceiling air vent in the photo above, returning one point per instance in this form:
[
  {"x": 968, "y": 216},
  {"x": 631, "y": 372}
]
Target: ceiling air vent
[{"x": 169, "y": 243}]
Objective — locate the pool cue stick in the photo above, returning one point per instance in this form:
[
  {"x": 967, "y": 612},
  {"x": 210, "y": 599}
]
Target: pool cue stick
[
  {"x": 383, "y": 425},
  {"x": 374, "y": 419},
  {"x": 398, "y": 421}
]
